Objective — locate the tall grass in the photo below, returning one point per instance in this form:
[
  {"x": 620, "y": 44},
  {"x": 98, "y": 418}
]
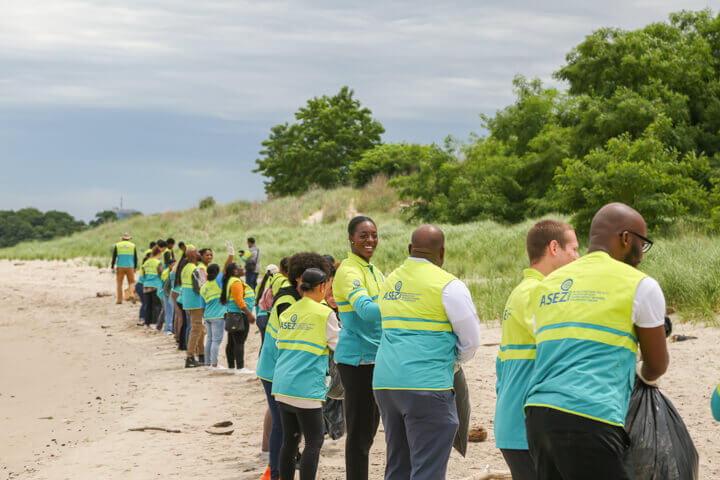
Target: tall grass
[{"x": 489, "y": 256}]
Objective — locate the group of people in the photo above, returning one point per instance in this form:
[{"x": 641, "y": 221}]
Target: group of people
[{"x": 566, "y": 365}]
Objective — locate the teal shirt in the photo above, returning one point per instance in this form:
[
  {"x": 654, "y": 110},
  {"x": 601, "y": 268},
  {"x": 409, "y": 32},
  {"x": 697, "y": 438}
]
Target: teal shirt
[
  {"x": 210, "y": 293},
  {"x": 716, "y": 404}
]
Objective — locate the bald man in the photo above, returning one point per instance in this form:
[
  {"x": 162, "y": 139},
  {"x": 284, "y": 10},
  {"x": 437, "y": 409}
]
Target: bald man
[
  {"x": 429, "y": 324},
  {"x": 590, "y": 317}
]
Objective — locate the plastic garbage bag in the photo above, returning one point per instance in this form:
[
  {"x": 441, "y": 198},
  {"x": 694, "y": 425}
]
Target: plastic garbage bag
[
  {"x": 462, "y": 402},
  {"x": 336, "y": 391},
  {"x": 660, "y": 444},
  {"x": 333, "y": 415}
]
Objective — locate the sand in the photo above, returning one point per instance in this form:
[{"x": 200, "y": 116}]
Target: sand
[{"x": 76, "y": 374}]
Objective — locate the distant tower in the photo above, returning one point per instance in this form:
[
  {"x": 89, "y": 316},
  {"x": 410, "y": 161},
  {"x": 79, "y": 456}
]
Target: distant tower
[{"x": 121, "y": 205}]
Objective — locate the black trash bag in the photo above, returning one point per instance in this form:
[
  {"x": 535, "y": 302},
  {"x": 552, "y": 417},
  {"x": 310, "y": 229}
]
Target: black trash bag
[
  {"x": 462, "y": 402},
  {"x": 333, "y": 416},
  {"x": 660, "y": 444}
]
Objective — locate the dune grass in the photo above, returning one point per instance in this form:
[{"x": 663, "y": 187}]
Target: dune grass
[{"x": 489, "y": 256}]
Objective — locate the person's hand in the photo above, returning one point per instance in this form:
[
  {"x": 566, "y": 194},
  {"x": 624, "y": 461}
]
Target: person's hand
[
  {"x": 251, "y": 318},
  {"x": 638, "y": 371},
  {"x": 230, "y": 247}
]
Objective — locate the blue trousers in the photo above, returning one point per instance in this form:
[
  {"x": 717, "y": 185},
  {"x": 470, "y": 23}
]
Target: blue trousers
[
  {"x": 251, "y": 279},
  {"x": 276, "y": 433},
  {"x": 215, "y": 331},
  {"x": 419, "y": 431},
  {"x": 169, "y": 309}
]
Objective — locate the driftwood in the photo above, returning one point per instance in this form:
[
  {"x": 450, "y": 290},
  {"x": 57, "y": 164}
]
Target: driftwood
[
  {"x": 160, "y": 429},
  {"x": 103, "y": 294},
  {"x": 224, "y": 424},
  {"x": 228, "y": 432},
  {"x": 477, "y": 434},
  {"x": 488, "y": 476}
]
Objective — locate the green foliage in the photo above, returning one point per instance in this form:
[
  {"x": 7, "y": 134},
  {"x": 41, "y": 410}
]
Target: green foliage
[
  {"x": 207, "y": 202},
  {"x": 31, "y": 224},
  {"x": 390, "y": 160},
  {"x": 640, "y": 123},
  {"x": 103, "y": 217},
  {"x": 329, "y": 135}
]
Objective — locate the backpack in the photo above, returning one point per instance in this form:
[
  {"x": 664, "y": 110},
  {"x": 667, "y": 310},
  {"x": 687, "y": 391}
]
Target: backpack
[{"x": 266, "y": 301}]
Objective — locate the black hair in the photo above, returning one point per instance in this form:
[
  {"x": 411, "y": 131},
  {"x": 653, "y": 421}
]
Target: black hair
[
  {"x": 285, "y": 264},
  {"x": 178, "y": 271},
  {"x": 226, "y": 279},
  {"x": 170, "y": 241},
  {"x": 311, "y": 278},
  {"x": 158, "y": 242},
  {"x": 152, "y": 244},
  {"x": 251, "y": 240},
  {"x": 352, "y": 226},
  {"x": 302, "y": 261},
  {"x": 181, "y": 244},
  {"x": 203, "y": 250},
  {"x": 170, "y": 262},
  {"x": 213, "y": 271},
  {"x": 331, "y": 260},
  {"x": 161, "y": 243},
  {"x": 268, "y": 275}
]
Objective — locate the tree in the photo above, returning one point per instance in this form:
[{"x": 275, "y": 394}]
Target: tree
[
  {"x": 104, "y": 217},
  {"x": 330, "y": 134},
  {"x": 391, "y": 160},
  {"x": 32, "y": 224}
]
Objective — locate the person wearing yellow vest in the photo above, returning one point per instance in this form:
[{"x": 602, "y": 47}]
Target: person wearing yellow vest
[
  {"x": 213, "y": 315},
  {"x": 715, "y": 404},
  {"x": 356, "y": 287},
  {"x": 550, "y": 245},
  {"x": 151, "y": 271},
  {"x": 126, "y": 255},
  {"x": 429, "y": 324},
  {"x": 284, "y": 298},
  {"x": 169, "y": 254},
  {"x": 236, "y": 295},
  {"x": 590, "y": 317},
  {"x": 308, "y": 330},
  {"x": 192, "y": 278}
]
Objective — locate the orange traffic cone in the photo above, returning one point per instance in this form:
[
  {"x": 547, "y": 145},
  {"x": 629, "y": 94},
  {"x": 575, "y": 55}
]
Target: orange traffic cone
[{"x": 266, "y": 475}]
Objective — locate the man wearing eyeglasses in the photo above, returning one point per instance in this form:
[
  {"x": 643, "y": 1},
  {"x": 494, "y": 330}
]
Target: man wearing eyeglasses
[{"x": 590, "y": 318}]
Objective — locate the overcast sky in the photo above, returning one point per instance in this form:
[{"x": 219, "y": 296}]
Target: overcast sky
[{"x": 166, "y": 101}]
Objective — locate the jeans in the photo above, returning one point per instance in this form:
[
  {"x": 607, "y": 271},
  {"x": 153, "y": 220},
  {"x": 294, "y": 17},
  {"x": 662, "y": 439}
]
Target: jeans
[
  {"x": 152, "y": 307},
  {"x": 141, "y": 295},
  {"x": 215, "y": 330},
  {"x": 276, "y": 433},
  {"x": 169, "y": 306},
  {"x": 251, "y": 279}
]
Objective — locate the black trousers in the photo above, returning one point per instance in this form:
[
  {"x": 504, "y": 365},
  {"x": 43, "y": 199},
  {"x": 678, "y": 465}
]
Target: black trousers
[
  {"x": 520, "y": 463},
  {"x": 235, "y": 348},
  {"x": 570, "y": 447},
  {"x": 362, "y": 418},
  {"x": 182, "y": 341},
  {"x": 309, "y": 423},
  {"x": 152, "y": 307}
]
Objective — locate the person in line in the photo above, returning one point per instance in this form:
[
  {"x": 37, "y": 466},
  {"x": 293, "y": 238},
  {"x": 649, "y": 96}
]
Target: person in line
[
  {"x": 252, "y": 265},
  {"x": 192, "y": 280},
  {"x": 169, "y": 254},
  {"x": 590, "y": 317},
  {"x": 285, "y": 297},
  {"x": 550, "y": 245},
  {"x": 163, "y": 248},
  {"x": 152, "y": 269},
  {"x": 213, "y": 315},
  {"x": 139, "y": 291},
  {"x": 715, "y": 404},
  {"x": 168, "y": 279},
  {"x": 233, "y": 296},
  {"x": 281, "y": 280},
  {"x": 356, "y": 288},
  {"x": 148, "y": 252},
  {"x": 182, "y": 319},
  {"x": 183, "y": 249},
  {"x": 126, "y": 255},
  {"x": 308, "y": 330},
  {"x": 429, "y": 324}
]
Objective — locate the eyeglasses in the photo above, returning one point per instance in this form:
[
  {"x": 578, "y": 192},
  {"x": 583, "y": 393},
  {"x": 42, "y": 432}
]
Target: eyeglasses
[{"x": 647, "y": 243}]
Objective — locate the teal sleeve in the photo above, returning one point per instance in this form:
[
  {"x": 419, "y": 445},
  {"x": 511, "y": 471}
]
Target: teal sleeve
[
  {"x": 366, "y": 308},
  {"x": 716, "y": 404}
]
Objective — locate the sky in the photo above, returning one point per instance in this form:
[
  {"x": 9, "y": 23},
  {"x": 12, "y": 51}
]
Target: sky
[{"x": 165, "y": 102}]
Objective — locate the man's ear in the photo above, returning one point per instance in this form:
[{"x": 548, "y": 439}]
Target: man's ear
[{"x": 553, "y": 248}]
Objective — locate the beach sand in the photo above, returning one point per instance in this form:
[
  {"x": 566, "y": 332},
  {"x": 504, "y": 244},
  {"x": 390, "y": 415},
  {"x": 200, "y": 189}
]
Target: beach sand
[{"x": 76, "y": 374}]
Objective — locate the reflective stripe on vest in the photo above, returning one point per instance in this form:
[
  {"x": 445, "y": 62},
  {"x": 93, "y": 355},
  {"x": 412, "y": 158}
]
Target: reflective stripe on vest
[
  {"x": 302, "y": 361},
  {"x": 418, "y": 348},
  {"x": 586, "y": 341},
  {"x": 210, "y": 292},
  {"x": 231, "y": 305},
  {"x": 150, "y": 273}
]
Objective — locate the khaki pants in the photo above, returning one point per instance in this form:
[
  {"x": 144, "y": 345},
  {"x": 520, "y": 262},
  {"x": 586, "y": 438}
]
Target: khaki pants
[
  {"x": 196, "y": 342},
  {"x": 129, "y": 273}
]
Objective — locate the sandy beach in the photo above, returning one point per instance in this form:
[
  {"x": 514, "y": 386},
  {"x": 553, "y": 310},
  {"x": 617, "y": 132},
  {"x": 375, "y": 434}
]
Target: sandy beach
[{"x": 76, "y": 374}]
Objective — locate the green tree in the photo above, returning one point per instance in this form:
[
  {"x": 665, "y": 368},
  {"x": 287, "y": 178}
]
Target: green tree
[
  {"x": 103, "y": 217},
  {"x": 391, "y": 160},
  {"x": 329, "y": 135}
]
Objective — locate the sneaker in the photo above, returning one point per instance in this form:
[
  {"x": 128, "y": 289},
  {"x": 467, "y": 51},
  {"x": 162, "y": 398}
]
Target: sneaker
[
  {"x": 190, "y": 362},
  {"x": 145, "y": 325},
  {"x": 168, "y": 333},
  {"x": 231, "y": 370},
  {"x": 220, "y": 367},
  {"x": 244, "y": 371},
  {"x": 266, "y": 475}
]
